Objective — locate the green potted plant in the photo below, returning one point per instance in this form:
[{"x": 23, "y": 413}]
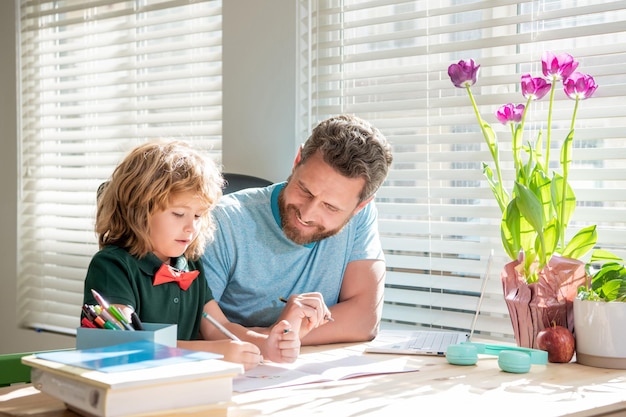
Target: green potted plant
[
  {"x": 545, "y": 271},
  {"x": 600, "y": 313}
]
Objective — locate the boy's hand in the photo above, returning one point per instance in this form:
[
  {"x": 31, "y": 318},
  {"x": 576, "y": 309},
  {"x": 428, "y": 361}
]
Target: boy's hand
[{"x": 245, "y": 353}]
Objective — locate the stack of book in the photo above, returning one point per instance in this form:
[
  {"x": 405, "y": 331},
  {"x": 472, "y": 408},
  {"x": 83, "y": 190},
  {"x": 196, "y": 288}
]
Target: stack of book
[{"x": 137, "y": 378}]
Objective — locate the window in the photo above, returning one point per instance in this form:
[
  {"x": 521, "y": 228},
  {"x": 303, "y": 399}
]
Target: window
[
  {"x": 96, "y": 79},
  {"x": 387, "y": 61}
]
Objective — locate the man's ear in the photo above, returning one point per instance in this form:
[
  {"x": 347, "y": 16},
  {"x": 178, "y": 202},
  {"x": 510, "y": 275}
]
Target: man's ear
[
  {"x": 362, "y": 204},
  {"x": 298, "y": 156}
]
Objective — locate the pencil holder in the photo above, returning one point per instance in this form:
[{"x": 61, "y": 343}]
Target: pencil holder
[{"x": 164, "y": 334}]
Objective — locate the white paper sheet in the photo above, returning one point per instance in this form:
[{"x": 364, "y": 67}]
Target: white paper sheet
[{"x": 318, "y": 367}]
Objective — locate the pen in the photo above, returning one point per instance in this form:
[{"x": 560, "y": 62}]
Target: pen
[
  {"x": 100, "y": 299},
  {"x": 326, "y": 317},
  {"x": 107, "y": 317},
  {"x": 119, "y": 316},
  {"x": 85, "y": 322},
  {"x": 220, "y": 327},
  {"x": 89, "y": 313},
  {"x": 105, "y": 324},
  {"x": 116, "y": 315},
  {"x": 92, "y": 317}
]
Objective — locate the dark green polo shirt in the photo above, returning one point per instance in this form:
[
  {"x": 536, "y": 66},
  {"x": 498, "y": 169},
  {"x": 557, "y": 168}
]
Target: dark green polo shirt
[{"x": 124, "y": 279}]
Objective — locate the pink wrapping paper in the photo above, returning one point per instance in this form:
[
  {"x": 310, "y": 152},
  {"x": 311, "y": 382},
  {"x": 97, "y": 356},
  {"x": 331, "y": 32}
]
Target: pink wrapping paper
[{"x": 533, "y": 307}]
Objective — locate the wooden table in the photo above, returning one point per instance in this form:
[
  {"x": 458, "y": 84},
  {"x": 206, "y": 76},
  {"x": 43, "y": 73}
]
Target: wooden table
[{"x": 479, "y": 390}]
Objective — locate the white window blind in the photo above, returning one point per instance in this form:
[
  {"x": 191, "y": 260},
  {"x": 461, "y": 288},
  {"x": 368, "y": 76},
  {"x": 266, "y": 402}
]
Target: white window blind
[
  {"x": 387, "y": 61},
  {"x": 96, "y": 79}
]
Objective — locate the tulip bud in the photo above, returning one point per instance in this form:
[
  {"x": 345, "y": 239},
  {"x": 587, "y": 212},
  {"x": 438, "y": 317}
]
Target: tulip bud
[{"x": 510, "y": 113}]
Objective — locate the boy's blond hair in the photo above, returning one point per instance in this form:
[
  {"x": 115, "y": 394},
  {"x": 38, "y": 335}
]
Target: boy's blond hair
[{"x": 145, "y": 182}]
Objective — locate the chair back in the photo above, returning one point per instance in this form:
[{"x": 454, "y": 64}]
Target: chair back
[{"x": 236, "y": 182}]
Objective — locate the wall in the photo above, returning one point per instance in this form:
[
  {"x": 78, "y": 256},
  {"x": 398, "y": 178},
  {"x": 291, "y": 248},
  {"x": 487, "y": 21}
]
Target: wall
[
  {"x": 13, "y": 339},
  {"x": 259, "y": 58},
  {"x": 259, "y": 87}
]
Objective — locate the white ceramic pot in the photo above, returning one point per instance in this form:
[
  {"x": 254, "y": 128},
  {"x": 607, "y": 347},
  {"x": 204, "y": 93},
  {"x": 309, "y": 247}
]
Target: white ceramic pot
[{"x": 600, "y": 336}]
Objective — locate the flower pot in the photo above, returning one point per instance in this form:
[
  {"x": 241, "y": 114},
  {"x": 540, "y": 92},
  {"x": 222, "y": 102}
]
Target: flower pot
[
  {"x": 533, "y": 307},
  {"x": 600, "y": 339}
]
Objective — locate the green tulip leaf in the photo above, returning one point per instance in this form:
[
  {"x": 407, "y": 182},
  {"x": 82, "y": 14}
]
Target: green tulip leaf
[
  {"x": 540, "y": 185},
  {"x": 563, "y": 214},
  {"x": 510, "y": 230},
  {"x": 531, "y": 211},
  {"x": 490, "y": 138},
  {"x": 600, "y": 255},
  {"x": 530, "y": 206},
  {"x": 581, "y": 243},
  {"x": 551, "y": 240},
  {"x": 516, "y": 146},
  {"x": 498, "y": 192},
  {"x": 566, "y": 152}
]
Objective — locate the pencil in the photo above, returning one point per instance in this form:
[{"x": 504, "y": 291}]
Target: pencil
[
  {"x": 326, "y": 317},
  {"x": 221, "y": 328}
]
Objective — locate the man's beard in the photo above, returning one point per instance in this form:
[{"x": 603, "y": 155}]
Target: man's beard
[{"x": 293, "y": 233}]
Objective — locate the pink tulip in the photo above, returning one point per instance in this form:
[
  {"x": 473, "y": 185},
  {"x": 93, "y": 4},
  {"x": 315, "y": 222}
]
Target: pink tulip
[
  {"x": 580, "y": 86},
  {"x": 558, "y": 67},
  {"x": 534, "y": 88},
  {"x": 464, "y": 73}
]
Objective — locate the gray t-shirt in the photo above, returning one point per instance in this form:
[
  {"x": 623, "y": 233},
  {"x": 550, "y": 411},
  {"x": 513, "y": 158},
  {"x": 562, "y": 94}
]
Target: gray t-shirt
[{"x": 251, "y": 263}]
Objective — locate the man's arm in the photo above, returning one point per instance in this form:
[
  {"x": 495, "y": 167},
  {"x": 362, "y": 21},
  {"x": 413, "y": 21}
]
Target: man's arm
[{"x": 358, "y": 312}]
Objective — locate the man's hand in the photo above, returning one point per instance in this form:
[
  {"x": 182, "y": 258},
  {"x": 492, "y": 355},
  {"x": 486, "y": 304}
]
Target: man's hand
[
  {"x": 358, "y": 310},
  {"x": 306, "y": 312},
  {"x": 283, "y": 344}
]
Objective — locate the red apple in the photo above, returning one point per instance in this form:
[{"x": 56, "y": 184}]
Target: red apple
[{"x": 558, "y": 341}]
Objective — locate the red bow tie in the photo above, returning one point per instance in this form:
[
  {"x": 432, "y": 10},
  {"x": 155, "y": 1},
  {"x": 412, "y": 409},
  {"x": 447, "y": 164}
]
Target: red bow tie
[{"x": 168, "y": 274}]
